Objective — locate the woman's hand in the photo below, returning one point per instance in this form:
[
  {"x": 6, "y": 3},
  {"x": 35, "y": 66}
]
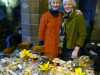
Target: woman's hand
[{"x": 75, "y": 52}]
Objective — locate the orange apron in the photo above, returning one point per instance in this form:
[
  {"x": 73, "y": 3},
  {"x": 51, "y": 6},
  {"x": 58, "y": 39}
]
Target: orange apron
[{"x": 49, "y": 32}]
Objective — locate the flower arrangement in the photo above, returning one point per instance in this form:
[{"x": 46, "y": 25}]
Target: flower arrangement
[
  {"x": 26, "y": 55},
  {"x": 44, "y": 67},
  {"x": 85, "y": 62}
]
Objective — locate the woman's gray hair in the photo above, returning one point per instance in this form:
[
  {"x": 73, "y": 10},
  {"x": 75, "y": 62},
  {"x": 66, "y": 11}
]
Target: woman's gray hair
[{"x": 49, "y": 3}]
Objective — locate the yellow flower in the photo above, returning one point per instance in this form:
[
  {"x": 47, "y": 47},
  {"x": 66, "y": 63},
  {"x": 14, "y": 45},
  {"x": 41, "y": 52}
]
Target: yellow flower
[
  {"x": 26, "y": 54},
  {"x": 30, "y": 55},
  {"x": 44, "y": 67},
  {"x": 79, "y": 71}
]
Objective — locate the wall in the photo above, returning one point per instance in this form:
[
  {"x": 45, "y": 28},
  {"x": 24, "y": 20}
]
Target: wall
[
  {"x": 96, "y": 31},
  {"x": 30, "y": 19}
]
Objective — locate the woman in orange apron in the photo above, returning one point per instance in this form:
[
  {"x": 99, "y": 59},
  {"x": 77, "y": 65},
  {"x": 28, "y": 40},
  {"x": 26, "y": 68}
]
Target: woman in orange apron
[{"x": 49, "y": 28}]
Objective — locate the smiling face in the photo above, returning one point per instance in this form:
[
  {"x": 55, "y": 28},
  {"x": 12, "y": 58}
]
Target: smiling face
[
  {"x": 55, "y": 4},
  {"x": 68, "y": 5},
  {"x": 68, "y": 8}
]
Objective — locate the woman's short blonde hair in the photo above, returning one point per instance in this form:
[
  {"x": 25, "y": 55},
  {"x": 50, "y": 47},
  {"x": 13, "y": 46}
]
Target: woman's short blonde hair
[{"x": 70, "y": 2}]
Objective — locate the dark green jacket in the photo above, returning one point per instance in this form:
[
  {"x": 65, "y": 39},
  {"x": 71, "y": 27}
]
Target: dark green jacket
[{"x": 75, "y": 30}]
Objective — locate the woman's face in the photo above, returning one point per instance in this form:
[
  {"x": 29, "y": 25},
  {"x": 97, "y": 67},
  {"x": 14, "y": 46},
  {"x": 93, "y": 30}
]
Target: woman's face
[
  {"x": 68, "y": 7},
  {"x": 55, "y": 4}
]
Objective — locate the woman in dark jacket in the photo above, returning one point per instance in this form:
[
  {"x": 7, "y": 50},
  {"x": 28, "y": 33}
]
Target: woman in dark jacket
[{"x": 74, "y": 30}]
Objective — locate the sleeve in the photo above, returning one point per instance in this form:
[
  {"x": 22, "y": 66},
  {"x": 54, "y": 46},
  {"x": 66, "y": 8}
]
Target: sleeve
[
  {"x": 42, "y": 27},
  {"x": 82, "y": 31}
]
